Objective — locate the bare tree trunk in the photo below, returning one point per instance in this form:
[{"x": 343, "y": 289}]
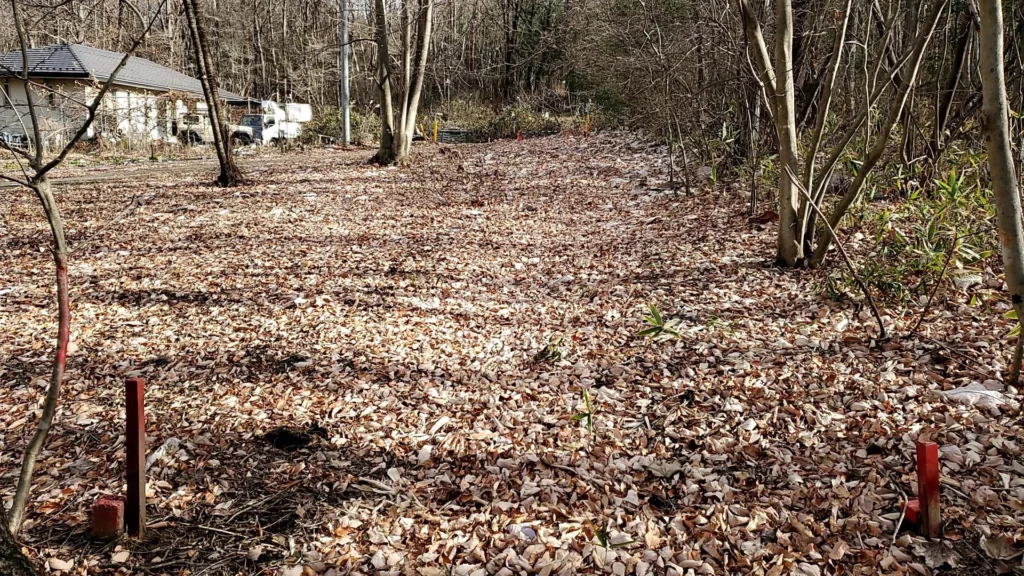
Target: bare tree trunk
[
  {"x": 39, "y": 183},
  {"x": 343, "y": 83},
  {"x": 790, "y": 250},
  {"x": 423, "y": 29},
  {"x": 763, "y": 61},
  {"x": 1000, "y": 158},
  {"x": 41, "y": 186},
  {"x": 191, "y": 17},
  {"x": 402, "y": 147},
  {"x": 230, "y": 175},
  {"x": 510, "y": 14},
  {"x": 35, "y": 445},
  {"x": 808, "y": 216},
  {"x": 682, "y": 147},
  {"x": 953, "y": 80},
  {"x": 895, "y": 111},
  {"x": 386, "y": 150},
  {"x": 36, "y": 159},
  {"x": 12, "y": 561},
  {"x": 397, "y": 130}
]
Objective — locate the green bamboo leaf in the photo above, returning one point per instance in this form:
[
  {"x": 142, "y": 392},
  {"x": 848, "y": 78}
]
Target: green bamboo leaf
[{"x": 656, "y": 314}]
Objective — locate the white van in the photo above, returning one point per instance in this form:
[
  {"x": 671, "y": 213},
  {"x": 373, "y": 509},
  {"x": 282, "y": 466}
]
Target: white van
[{"x": 278, "y": 123}]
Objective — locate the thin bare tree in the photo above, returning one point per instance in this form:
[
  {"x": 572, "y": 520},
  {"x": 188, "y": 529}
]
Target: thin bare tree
[
  {"x": 230, "y": 174},
  {"x": 796, "y": 233},
  {"x": 1000, "y": 161},
  {"x": 397, "y": 130},
  {"x": 35, "y": 167}
]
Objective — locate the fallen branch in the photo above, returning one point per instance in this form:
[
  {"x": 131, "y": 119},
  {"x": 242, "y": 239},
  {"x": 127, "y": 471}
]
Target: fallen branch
[{"x": 137, "y": 202}]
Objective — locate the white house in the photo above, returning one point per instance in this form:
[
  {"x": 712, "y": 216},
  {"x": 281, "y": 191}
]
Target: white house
[{"x": 145, "y": 101}]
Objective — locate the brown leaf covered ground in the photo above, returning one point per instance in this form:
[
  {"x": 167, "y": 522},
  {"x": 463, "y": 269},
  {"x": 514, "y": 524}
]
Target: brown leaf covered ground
[{"x": 397, "y": 318}]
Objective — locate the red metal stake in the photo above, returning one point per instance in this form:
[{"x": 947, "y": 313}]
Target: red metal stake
[
  {"x": 928, "y": 488},
  {"x": 135, "y": 510},
  {"x": 519, "y": 136}
]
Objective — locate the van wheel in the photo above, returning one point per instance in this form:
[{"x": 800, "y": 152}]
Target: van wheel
[{"x": 275, "y": 142}]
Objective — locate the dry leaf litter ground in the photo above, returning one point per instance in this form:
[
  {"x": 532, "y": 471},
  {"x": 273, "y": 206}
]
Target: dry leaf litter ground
[{"x": 392, "y": 319}]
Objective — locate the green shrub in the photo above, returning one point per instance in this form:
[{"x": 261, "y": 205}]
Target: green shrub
[
  {"x": 530, "y": 121},
  {"x": 485, "y": 122},
  {"x": 914, "y": 236},
  {"x": 365, "y": 128},
  {"x": 465, "y": 114}
]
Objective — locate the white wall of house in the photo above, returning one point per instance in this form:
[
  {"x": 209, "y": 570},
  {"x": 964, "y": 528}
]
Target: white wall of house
[
  {"x": 54, "y": 109},
  {"x": 134, "y": 115}
]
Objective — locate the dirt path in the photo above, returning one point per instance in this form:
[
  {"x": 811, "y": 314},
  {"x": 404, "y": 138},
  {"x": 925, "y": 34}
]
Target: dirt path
[{"x": 141, "y": 171}]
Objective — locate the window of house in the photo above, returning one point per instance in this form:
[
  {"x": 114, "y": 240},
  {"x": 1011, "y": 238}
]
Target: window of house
[
  {"x": 5, "y": 95},
  {"x": 51, "y": 96}
]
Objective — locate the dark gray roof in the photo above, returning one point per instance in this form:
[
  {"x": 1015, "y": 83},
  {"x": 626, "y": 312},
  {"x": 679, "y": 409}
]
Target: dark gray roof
[{"x": 86, "y": 62}]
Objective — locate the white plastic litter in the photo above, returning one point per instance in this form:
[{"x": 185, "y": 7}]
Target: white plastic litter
[{"x": 975, "y": 394}]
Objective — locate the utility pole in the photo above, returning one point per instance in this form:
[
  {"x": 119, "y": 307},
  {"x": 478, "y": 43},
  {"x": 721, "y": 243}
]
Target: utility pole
[{"x": 346, "y": 120}]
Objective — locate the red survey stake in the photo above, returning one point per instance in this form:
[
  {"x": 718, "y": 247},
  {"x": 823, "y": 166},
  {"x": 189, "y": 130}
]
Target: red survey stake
[
  {"x": 135, "y": 509},
  {"x": 928, "y": 488}
]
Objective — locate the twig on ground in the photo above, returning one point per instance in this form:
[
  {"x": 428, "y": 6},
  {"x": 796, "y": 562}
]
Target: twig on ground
[
  {"x": 839, "y": 245},
  {"x": 903, "y": 510},
  {"x": 962, "y": 364},
  {"x": 137, "y": 202}
]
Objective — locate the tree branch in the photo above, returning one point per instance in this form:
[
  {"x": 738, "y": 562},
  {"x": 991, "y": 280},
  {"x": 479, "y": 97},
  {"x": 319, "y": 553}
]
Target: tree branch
[{"x": 846, "y": 258}]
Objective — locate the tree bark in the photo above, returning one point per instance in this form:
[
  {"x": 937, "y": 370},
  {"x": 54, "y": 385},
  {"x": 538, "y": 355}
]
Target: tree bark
[
  {"x": 12, "y": 561},
  {"x": 59, "y": 251},
  {"x": 230, "y": 175},
  {"x": 1000, "y": 158},
  {"x": 790, "y": 250}
]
